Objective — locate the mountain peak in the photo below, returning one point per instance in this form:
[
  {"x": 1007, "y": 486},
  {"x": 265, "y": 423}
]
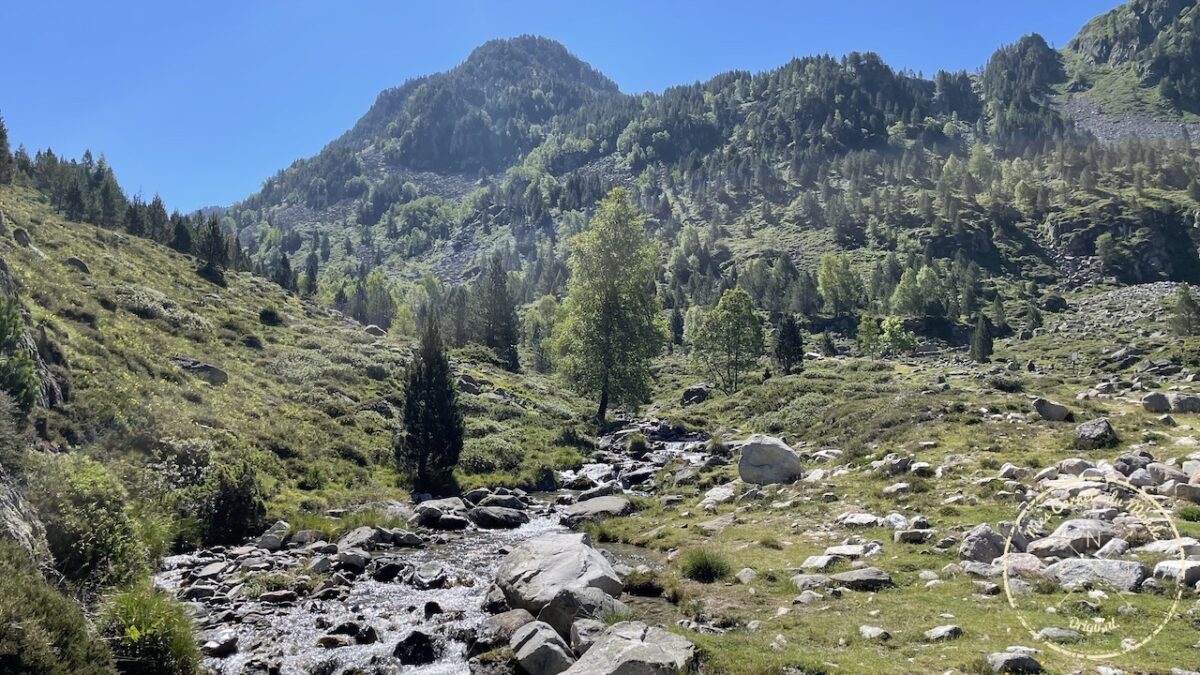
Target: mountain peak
[{"x": 533, "y": 58}]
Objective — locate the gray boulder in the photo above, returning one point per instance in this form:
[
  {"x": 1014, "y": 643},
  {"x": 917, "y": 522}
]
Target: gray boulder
[
  {"x": 540, "y": 650},
  {"x": 1184, "y": 403},
  {"x": 1156, "y": 403},
  {"x": 864, "y": 579},
  {"x": 537, "y": 569},
  {"x": 496, "y": 631},
  {"x": 497, "y": 517},
  {"x": 633, "y": 648},
  {"x": 1125, "y": 575},
  {"x": 1095, "y": 434},
  {"x": 584, "y": 634},
  {"x": 1013, "y": 662},
  {"x": 697, "y": 393},
  {"x": 982, "y": 544},
  {"x": 766, "y": 460},
  {"x": 598, "y": 508},
  {"x": 571, "y": 604},
  {"x": 1051, "y": 411},
  {"x": 275, "y": 536}
]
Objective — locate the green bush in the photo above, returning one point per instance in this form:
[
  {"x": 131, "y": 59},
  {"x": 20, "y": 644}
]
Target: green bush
[
  {"x": 637, "y": 444},
  {"x": 91, "y": 534},
  {"x": 17, "y": 376},
  {"x": 269, "y": 316},
  {"x": 12, "y": 437},
  {"x": 1190, "y": 513},
  {"x": 230, "y": 504},
  {"x": 705, "y": 565},
  {"x": 149, "y": 633},
  {"x": 42, "y": 632}
]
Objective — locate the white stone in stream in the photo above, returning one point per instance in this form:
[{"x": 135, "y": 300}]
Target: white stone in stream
[
  {"x": 540, "y": 650},
  {"x": 766, "y": 460},
  {"x": 633, "y": 648},
  {"x": 537, "y": 569}
]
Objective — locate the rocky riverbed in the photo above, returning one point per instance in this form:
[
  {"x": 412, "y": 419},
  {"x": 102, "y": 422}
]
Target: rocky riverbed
[{"x": 394, "y": 600}]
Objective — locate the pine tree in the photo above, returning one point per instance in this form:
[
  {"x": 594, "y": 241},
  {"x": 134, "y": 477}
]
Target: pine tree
[
  {"x": 999, "y": 318},
  {"x": 181, "y": 238},
  {"x": 1185, "y": 319},
  {"x": 676, "y": 326},
  {"x": 6, "y": 159},
  {"x": 789, "y": 345},
  {"x": 310, "y": 272},
  {"x": 432, "y": 439},
  {"x": 283, "y": 274},
  {"x": 981, "y": 341},
  {"x": 498, "y": 327},
  {"x": 214, "y": 250}
]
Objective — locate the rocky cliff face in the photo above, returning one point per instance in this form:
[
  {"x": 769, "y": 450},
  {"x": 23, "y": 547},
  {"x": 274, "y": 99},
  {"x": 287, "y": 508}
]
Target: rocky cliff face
[
  {"x": 48, "y": 359},
  {"x": 1121, "y": 35},
  {"x": 18, "y": 519}
]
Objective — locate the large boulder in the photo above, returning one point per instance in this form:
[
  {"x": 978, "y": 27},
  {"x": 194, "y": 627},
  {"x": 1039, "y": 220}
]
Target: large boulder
[
  {"x": 497, "y": 517},
  {"x": 766, "y": 459},
  {"x": 864, "y": 579},
  {"x": 1085, "y": 534},
  {"x": 1095, "y": 434},
  {"x": 982, "y": 544},
  {"x": 205, "y": 371},
  {"x": 537, "y": 569},
  {"x": 697, "y": 393},
  {"x": 1184, "y": 403},
  {"x": 540, "y": 650},
  {"x": 597, "y": 508},
  {"x": 1156, "y": 403},
  {"x": 1051, "y": 411},
  {"x": 633, "y": 648},
  {"x": 1125, "y": 575}
]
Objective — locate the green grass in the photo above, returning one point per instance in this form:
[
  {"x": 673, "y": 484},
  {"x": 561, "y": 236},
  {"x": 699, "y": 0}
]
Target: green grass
[{"x": 705, "y": 565}]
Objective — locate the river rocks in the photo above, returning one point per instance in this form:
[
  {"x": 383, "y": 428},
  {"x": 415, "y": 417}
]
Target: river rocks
[
  {"x": 273, "y": 538},
  {"x": 540, "y": 650},
  {"x": 570, "y": 604},
  {"x": 584, "y": 634},
  {"x": 366, "y": 538},
  {"x": 442, "y": 514},
  {"x": 1095, "y": 434},
  {"x": 537, "y": 569},
  {"x": 1051, "y": 411},
  {"x": 430, "y": 575},
  {"x": 503, "y": 501},
  {"x": 221, "y": 645},
  {"x": 766, "y": 460},
  {"x": 496, "y": 631},
  {"x": 497, "y": 517},
  {"x": 633, "y": 648},
  {"x": 353, "y": 560},
  {"x": 596, "y": 509},
  {"x": 864, "y": 579},
  {"x": 1125, "y": 575},
  {"x": 417, "y": 649}
]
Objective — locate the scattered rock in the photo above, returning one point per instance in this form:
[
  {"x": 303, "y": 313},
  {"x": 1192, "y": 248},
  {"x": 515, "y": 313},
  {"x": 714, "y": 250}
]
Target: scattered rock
[
  {"x": 1051, "y": 411},
  {"x": 766, "y": 460},
  {"x": 633, "y": 648},
  {"x": 537, "y": 569},
  {"x": 540, "y": 650},
  {"x": 1095, "y": 434}
]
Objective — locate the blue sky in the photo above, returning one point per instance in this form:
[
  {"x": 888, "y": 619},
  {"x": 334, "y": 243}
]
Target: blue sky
[{"x": 201, "y": 101}]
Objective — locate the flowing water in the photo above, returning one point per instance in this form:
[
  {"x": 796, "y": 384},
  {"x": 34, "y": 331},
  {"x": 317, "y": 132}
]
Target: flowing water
[{"x": 288, "y": 635}]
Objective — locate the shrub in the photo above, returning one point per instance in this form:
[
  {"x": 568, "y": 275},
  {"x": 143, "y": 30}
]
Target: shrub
[
  {"x": 149, "y": 633},
  {"x": 230, "y": 504},
  {"x": 705, "y": 565},
  {"x": 91, "y": 535},
  {"x": 42, "y": 632},
  {"x": 644, "y": 583},
  {"x": 769, "y": 541},
  {"x": 637, "y": 444},
  {"x": 269, "y": 316},
  {"x": 1190, "y": 513},
  {"x": 12, "y": 437}
]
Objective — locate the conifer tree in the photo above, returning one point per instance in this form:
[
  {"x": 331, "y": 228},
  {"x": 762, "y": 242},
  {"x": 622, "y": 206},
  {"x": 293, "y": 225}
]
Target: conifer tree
[
  {"x": 497, "y": 314},
  {"x": 1185, "y": 318},
  {"x": 999, "y": 318},
  {"x": 432, "y": 439},
  {"x": 981, "y": 341},
  {"x": 311, "y": 268},
  {"x": 181, "y": 237},
  {"x": 789, "y": 345},
  {"x": 213, "y": 248},
  {"x": 676, "y": 326},
  {"x": 6, "y": 159}
]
